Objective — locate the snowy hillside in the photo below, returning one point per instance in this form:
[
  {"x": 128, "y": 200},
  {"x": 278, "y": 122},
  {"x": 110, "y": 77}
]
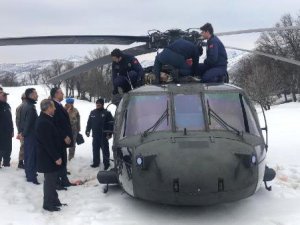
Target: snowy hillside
[{"x": 21, "y": 202}]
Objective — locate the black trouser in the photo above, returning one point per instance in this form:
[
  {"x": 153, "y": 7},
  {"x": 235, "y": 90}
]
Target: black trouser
[
  {"x": 5, "y": 155},
  {"x": 50, "y": 193},
  {"x": 30, "y": 157},
  {"x": 62, "y": 178},
  {"x": 100, "y": 142}
]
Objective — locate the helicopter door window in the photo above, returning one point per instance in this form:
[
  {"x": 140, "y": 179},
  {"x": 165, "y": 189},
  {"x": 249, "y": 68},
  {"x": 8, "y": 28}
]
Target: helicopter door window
[
  {"x": 144, "y": 111},
  {"x": 188, "y": 112},
  {"x": 251, "y": 120},
  {"x": 228, "y": 107}
]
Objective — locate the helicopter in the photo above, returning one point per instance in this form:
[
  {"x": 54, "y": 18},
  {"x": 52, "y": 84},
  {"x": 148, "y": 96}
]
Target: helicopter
[{"x": 182, "y": 143}]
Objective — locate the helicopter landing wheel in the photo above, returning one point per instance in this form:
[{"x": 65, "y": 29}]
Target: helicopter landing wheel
[{"x": 105, "y": 189}]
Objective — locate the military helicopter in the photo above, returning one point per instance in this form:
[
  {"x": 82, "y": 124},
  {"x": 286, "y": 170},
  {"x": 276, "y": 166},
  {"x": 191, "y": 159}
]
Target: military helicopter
[{"x": 184, "y": 143}]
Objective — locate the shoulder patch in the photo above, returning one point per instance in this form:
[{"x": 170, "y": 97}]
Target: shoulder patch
[
  {"x": 211, "y": 46},
  {"x": 135, "y": 61}
]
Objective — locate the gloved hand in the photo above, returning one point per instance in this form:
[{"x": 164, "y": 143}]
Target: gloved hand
[{"x": 87, "y": 133}]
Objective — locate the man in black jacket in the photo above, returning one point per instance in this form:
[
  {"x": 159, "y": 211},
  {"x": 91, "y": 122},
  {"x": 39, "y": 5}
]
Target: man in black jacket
[
  {"x": 63, "y": 125},
  {"x": 49, "y": 156},
  {"x": 28, "y": 117},
  {"x": 101, "y": 123},
  {"x": 6, "y": 130},
  {"x": 127, "y": 72}
]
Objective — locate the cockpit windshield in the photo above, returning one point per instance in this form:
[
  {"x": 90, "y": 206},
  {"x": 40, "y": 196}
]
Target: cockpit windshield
[
  {"x": 144, "y": 111},
  {"x": 188, "y": 112},
  {"x": 232, "y": 109}
]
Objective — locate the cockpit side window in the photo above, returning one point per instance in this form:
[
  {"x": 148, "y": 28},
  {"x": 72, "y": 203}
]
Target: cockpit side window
[
  {"x": 188, "y": 112},
  {"x": 253, "y": 129},
  {"x": 144, "y": 111}
]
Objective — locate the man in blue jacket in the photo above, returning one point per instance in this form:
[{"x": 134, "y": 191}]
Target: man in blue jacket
[
  {"x": 100, "y": 121},
  {"x": 214, "y": 68},
  {"x": 176, "y": 55},
  {"x": 127, "y": 72}
]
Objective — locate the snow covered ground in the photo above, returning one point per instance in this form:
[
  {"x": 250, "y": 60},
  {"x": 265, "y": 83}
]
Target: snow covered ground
[{"x": 21, "y": 202}]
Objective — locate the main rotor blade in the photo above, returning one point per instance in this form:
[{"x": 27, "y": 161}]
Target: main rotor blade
[
  {"x": 258, "y": 30},
  {"x": 280, "y": 58},
  {"x": 73, "y": 39},
  {"x": 139, "y": 50}
]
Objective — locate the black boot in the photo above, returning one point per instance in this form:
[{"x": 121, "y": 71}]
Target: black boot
[{"x": 21, "y": 164}]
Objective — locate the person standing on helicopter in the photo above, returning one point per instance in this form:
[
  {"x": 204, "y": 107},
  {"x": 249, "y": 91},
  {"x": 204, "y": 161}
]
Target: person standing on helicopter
[
  {"x": 214, "y": 68},
  {"x": 176, "y": 55},
  {"x": 127, "y": 72}
]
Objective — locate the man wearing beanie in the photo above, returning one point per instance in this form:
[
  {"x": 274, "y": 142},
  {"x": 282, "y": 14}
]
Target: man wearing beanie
[
  {"x": 100, "y": 120},
  {"x": 75, "y": 124}
]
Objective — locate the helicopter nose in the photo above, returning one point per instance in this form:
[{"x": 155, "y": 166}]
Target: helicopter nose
[{"x": 195, "y": 172}]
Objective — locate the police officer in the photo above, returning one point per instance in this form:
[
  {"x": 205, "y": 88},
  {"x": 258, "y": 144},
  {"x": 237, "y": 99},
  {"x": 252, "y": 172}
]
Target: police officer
[
  {"x": 214, "y": 68},
  {"x": 176, "y": 55},
  {"x": 28, "y": 117},
  {"x": 6, "y": 129},
  {"x": 100, "y": 120},
  {"x": 127, "y": 72}
]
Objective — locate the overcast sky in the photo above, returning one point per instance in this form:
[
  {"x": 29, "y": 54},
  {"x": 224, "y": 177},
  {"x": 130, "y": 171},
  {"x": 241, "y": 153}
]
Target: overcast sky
[{"x": 129, "y": 17}]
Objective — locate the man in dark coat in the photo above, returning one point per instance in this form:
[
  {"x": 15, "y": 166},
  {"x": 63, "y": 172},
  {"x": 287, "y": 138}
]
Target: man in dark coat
[
  {"x": 214, "y": 68},
  {"x": 101, "y": 123},
  {"x": 176, "y": 55},
  {"x": 28, "y": 117},
  {"x": 127, "y": 72},
  {"x": 6, "y": 130},
  {"x": 63, "y": 125},
  {"x": 48, "y": 154}
]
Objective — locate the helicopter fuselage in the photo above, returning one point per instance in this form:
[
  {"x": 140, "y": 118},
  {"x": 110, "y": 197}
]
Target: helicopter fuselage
[{"x": 190, "y": 144}]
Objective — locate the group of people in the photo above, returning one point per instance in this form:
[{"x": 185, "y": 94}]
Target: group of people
[
  {"x": 45, "y": 139},
  {"x": 182, "y": 55}
]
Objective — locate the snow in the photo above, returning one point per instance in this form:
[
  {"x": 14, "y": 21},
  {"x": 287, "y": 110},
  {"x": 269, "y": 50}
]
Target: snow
[{"x": 21, "y": 202}]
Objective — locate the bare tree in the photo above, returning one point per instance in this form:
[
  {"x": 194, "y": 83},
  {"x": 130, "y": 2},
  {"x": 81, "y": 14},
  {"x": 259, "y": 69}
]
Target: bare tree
[
  {"x": 34, "y": 76},
  {"x": 9, "y": 79}
]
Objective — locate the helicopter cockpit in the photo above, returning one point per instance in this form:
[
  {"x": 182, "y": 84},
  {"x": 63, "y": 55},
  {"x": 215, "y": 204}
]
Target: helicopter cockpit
[{"x": 175, "y": 108}]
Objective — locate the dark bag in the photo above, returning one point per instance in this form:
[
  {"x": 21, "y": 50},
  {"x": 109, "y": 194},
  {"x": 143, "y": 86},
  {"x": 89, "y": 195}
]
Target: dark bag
[{"x": 79, "y": 139}]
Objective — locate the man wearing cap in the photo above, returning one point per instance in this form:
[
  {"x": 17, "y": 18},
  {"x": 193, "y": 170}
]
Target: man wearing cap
[
  {"x": 127, "y": 72},
  {"x": 75, "y": 124},
  {"x": 28, "y": 117},
  {"x": 6, "y": 130},
  {"x": 18, "y": 124},
  {"x": 176, "y": 55},
  {"x": 214, "y": 68},
  {"x": 101, "y": 123}
]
